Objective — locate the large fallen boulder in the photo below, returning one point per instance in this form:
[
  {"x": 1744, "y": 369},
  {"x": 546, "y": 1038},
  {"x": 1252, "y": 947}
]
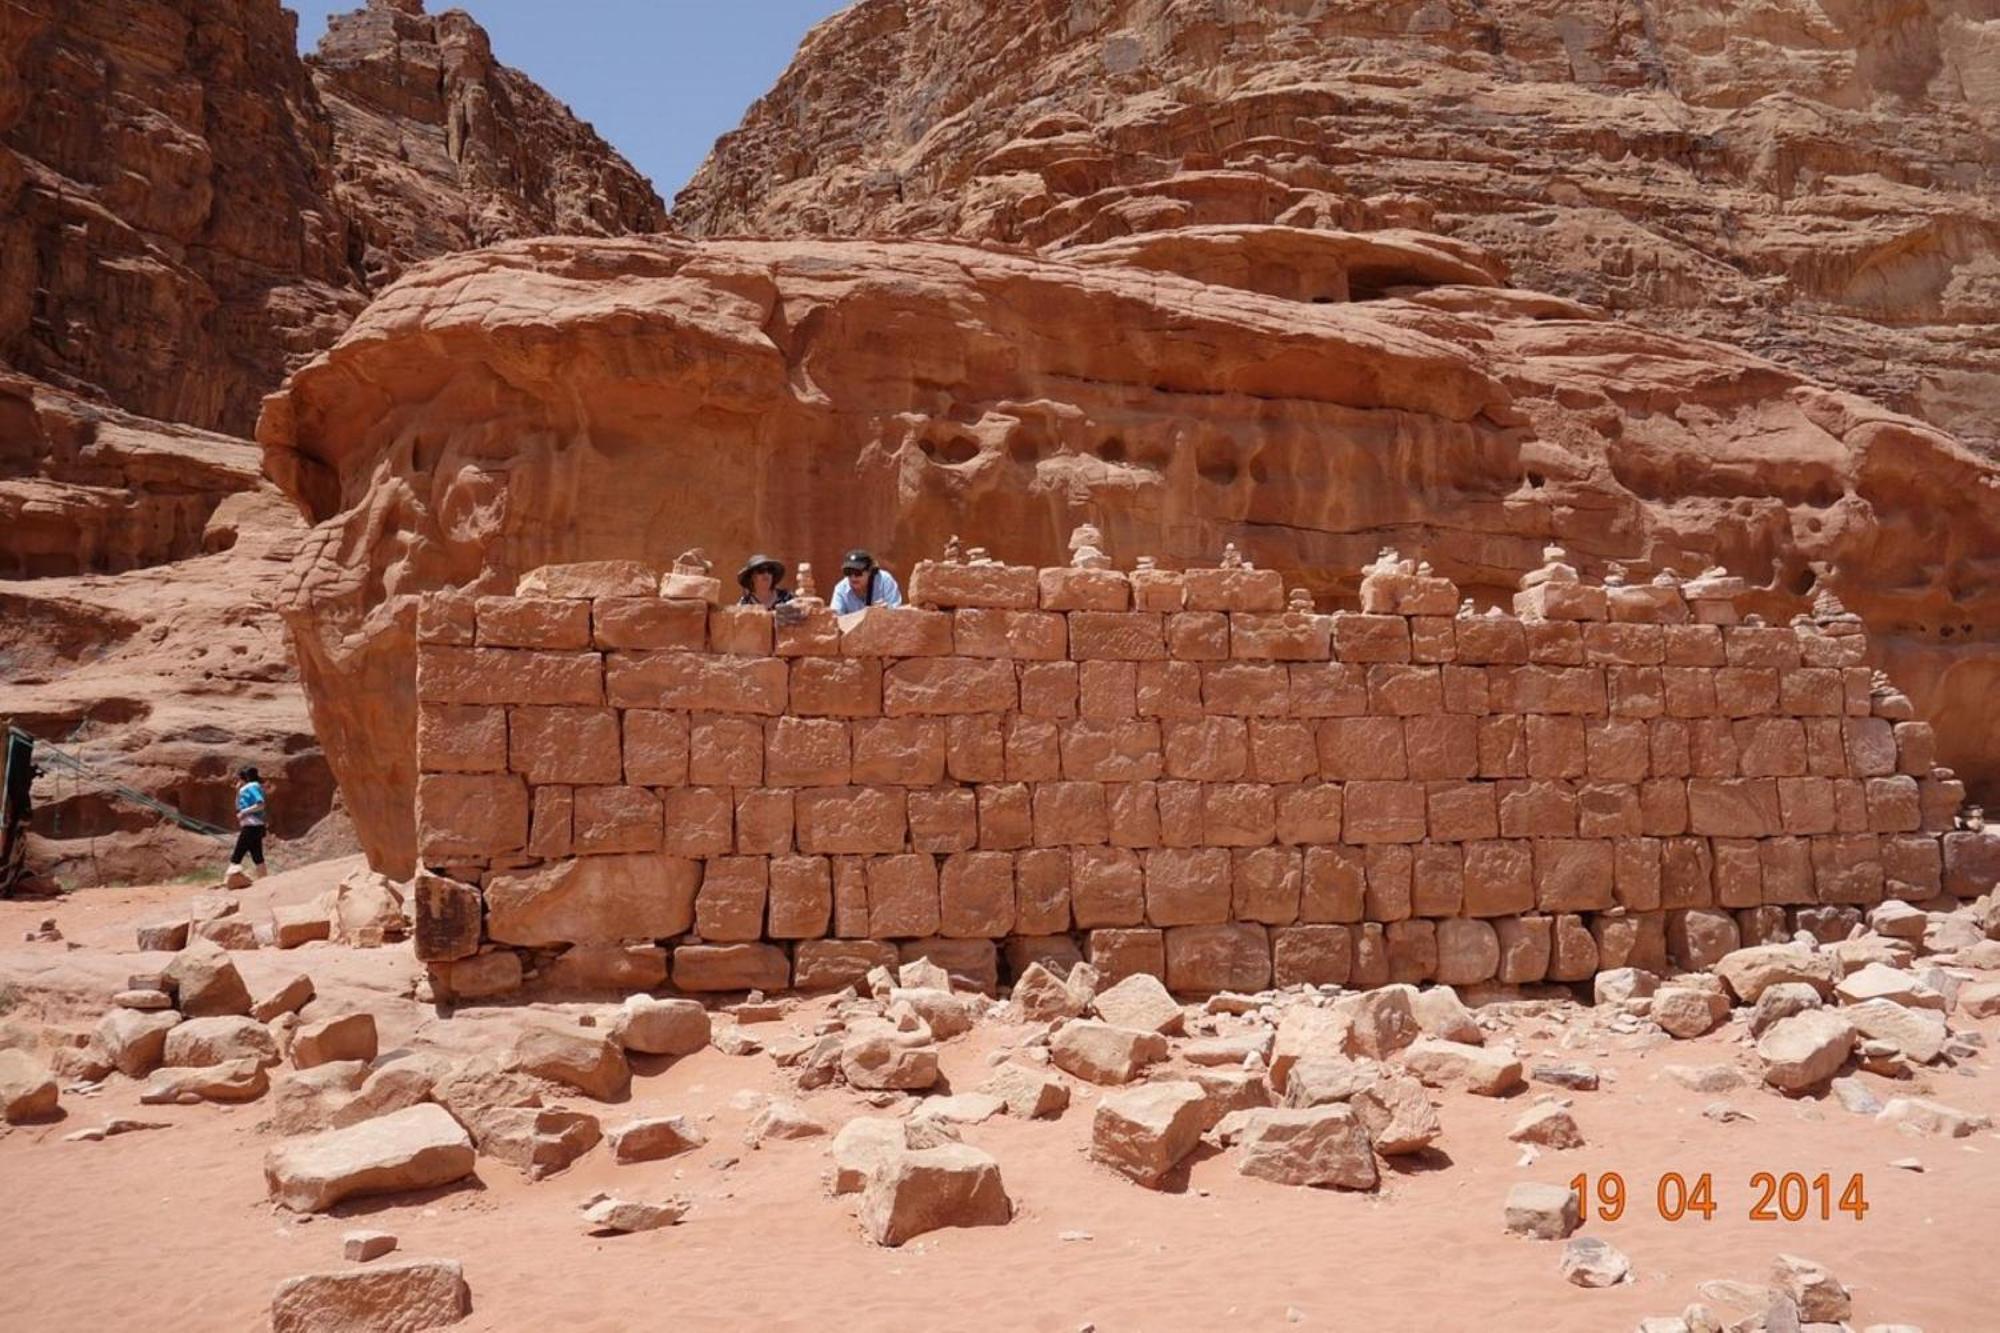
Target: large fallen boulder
[
  {"x": 1029, "y": 1094},
  {"x": 27, "y": 1089},
  {"x": 651, "y": 1139},
  {"x": 399, "y": 1297},
  {"x": 205, "y": 983},
  {"x": 232, "y": 1081},
  {"x": 660, "y": 1027},
  {"x": 538, "y": 1140},
  {"x": 1750, "y": 972},
  {"x": 1139, "y": 1002},
  {"x": 1102, "y": 1053},
  {"x": 875, "y": 1061},
  {"x": 1144, "y": 1132},
  {"x": 587, "y": 1061},
  {"x": 418, "y": 1148},
  {"x": 1484, "y": 1070},
  {"x": 917, "y": 1190},
  {"x": 1320, "y": 1145},
  {"x": 1918, "y": 1033},
  {"x": 347, "y": 1037},
  {"x": 214, "y": 1041},
  {"x": 135, "y": 1040},
  {"x": 1805, "y": 1050}
]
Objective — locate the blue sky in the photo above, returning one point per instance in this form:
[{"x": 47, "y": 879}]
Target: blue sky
[{"x": 660, "y": 79}]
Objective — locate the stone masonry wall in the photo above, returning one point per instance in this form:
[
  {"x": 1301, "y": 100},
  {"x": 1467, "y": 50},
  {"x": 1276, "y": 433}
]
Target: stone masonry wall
[{"x": 624, "y": 782}]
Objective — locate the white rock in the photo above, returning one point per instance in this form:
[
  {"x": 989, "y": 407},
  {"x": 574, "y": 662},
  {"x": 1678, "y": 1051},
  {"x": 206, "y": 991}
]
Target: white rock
[{"x": 1590, "y": 1262}]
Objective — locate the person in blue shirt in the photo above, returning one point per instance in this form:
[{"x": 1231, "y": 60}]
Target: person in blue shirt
[
  {"x": 249, "y": 819},
  {"x": 864, "y": 584}
]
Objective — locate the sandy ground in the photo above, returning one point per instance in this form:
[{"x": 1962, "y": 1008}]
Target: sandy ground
[{"x": 171, "y": 1229}]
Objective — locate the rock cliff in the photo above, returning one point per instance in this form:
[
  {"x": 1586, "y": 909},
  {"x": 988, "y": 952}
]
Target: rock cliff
[
  {"x": 1813, "y": 180},
  {"x": 1307, "y": 394},
  {"x": 187, "y": 210}
]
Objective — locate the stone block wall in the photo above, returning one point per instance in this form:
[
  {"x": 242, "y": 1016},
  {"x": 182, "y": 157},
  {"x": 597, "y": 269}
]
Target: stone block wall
[{"x": 625, "y": 784}]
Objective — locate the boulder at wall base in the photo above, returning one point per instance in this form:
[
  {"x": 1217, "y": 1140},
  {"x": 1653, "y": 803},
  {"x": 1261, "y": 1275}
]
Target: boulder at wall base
[{"x": 418, "y": 1148}]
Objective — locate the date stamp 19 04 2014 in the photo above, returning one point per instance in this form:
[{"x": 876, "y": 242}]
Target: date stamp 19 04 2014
[{"x": 1790, "y": 1196}]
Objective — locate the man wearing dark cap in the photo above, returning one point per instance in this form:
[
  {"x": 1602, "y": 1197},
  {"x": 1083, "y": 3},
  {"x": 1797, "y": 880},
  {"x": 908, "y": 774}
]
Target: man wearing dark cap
[
  {"x": 761, "y": 577},
  {"x": 863, "y": 584}
]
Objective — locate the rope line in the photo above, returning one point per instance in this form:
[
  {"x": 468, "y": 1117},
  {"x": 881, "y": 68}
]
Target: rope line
[{"x": 52, "y": 756}]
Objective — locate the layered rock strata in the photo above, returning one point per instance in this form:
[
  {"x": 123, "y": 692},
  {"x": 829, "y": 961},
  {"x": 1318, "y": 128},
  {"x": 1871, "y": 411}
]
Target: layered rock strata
[
  {"x": 188, "y": 209},
  {"x": 1809, "y": 180},
  {"x": 1184, "y": 773}
]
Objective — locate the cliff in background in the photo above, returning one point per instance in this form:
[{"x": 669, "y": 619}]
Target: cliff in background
[{"x": 1811, "y": 180}]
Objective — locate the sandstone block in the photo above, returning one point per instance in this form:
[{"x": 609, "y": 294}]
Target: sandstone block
[
  {"x": 446, "y": 917},
  {"x": 1750, "y": 972},
  {"x": 1203, "y": 959},
  {"x": 411, "y": 1294},
  {"x": 1319, "y": 1146},
  {"x": 1383, "y": 812},
  {"x": 939, "y": 583},
  {"x": 1804, "y": 1050},
  {"x": 593, "y": 900},
  {"x": 875, "y": 1060},
  {"x": 460, "y": 675},
  {"x": 720, "y": 967},
  {"x": 660, "y": 1027},
  {"x": 696, "y": 682},
  {"x": 470, "y": 815},
  {"x": 1543, "y": 1212},
  {"x": 649, "y": 623},
  {"x": 1029, "y": 1094},
  {"x": 27, "y": 1089},
  {"x": 418, "y": 1148},
  {"x": 205, "y": 983},
  {"x": 830, "y": 964},
  {"x": 461, "y": 738},
  {"x": 1283, "y": 637},
  {"x": 537, "y": 1140},
  {"x": 836, "y": 687},
  {"x": 135, "y": 1041},
  {"x": 347, "y": 1037},
  {"x": 1478, "y": 1069},
  {"x": 1102, "y": 1053},
  {"x": 1468, "y": 951},
  {"x": 851, "y": 819},
  {"x": 1145, "y": 1132},
  {"x": 591, "y": 1063},
  {"x": 902, "y": 896},
  {"x": 919, "y": 1190},
  {"x": 1139, "y": 1003}
]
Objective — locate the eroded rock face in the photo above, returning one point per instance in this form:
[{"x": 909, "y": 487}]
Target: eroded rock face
[
  {"x": 1807, "y": 180},
  {"x": 1175, "y": 414},
  {"x": 191, "y": 208},
  {"x": 187, "y": 210}
]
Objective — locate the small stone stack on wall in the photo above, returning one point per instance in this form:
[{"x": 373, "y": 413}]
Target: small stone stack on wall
[{"x": 1170, "y": 772}]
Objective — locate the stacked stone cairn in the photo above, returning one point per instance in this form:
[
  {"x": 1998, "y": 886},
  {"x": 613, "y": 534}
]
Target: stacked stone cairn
[{"x": 627, "y": 784}]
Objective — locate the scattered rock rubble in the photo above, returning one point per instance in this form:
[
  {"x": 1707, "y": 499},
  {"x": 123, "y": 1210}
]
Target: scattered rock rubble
[{"x": 1317, "y": 1087}]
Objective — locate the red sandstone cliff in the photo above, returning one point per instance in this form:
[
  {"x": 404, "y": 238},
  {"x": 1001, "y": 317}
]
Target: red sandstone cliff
[
  {"x": 187, "y": 210},
  {"x": 1812, "y": 181}
]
